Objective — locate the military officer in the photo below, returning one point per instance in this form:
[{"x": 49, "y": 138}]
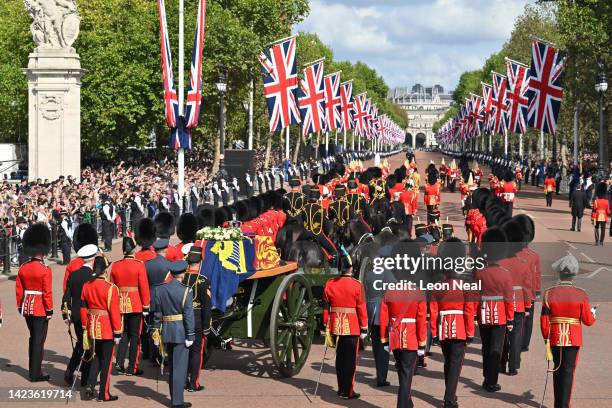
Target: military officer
[
  {"x": 130, "y": 276},
  {"x": 71, "y": 310},
  {"x": 339, "y": 211},
  {"x": 549, "y": 187},
  {"x": 508, "y": 191},
  {"x": 200, "y": 288},
  {"x": 174, "y": 327},
  {"x": 317, "y": 224},
  {"x": 84, "y": 234},
  {"x": 34, "y": 295},
  {"x": 145, "y": 237},
  {"x": 102, "y": 326},
  {"x": 432, "y": 195},
  {"x": 409, "y": 199},
  {"x": 293, "y": 201},
  {"x": 346, "y": 319},
  {"x": 565, "y": 308},
  {"x": 359, "y": 204}
]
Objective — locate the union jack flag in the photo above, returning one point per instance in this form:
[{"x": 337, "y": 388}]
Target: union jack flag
[
  {"x": 498, "y": 120},
  {"x": 518, "y": 83},
  {"x": 545, "y": 87},
  {"x": 279, "y": 67},
  {"x": 312, "y": 99},
  {"x": 478, "y": 116},
  {"x": 368, "y": 118},
  {"x": 170, "y": 96},
  {"x": 333, "y": 120},
  {"x": 346, "y": 105},
  {"x": 194, "y": 94},
  {"x": 360, "y": 114},
  {"x": 487, "y": 97}
]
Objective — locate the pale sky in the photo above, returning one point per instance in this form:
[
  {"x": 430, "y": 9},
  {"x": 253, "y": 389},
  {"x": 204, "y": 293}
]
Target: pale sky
[{"x": 410, "y": 41}]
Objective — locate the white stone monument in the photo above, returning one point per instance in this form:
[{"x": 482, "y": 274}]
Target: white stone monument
[{"x": 54, "y": 91}]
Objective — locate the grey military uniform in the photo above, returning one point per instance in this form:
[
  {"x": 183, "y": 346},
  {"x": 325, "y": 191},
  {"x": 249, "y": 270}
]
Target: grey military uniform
[
  {"x": 157, "y": 270},
  {"x": 172, "y": 304}
]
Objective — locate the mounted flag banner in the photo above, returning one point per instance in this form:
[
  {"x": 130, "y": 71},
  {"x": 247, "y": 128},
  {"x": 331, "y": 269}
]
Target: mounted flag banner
[
  {"x": 478, "y": 116},
  {"x": 346, "y": 105},
  {"x": 360, "y": 114},
  {"x": 545, "y": 90},
  {"x": 170, "y": 95},
  {"x": 333, "y": 120},
  {"x": 279, "y": 67},
  {"x": 194, "y": 94},
  {"x": 516, "y": 98},
  {"x": 500, "y": 86},
  {"x": 487, "y": 97},
  {"x": 311, "y": 99}
]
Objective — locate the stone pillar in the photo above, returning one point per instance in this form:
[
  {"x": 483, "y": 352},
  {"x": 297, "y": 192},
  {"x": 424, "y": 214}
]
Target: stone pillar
[{"x": 54, "y": 113}]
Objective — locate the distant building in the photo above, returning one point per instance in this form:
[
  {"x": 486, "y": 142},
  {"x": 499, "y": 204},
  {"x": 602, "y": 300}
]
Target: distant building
[{"x": 425, "y": 106}]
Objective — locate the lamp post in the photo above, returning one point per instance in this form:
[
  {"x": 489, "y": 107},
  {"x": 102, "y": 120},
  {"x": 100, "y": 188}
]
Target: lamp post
[
  {"x": 14, "y": 107},
  {"x": 222, "y": 87},
  {"x": 601, "y": 86}
]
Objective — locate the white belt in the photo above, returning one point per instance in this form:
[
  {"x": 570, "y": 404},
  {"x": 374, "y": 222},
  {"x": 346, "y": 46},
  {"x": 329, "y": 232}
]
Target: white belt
[
  {"x": 32, "y": 292},
  {"x": 517, "y": 288},
  {"x": 450, "y": 312},
  {"x": 404, "y": 320},
  {"x": 486, "y": 298}
]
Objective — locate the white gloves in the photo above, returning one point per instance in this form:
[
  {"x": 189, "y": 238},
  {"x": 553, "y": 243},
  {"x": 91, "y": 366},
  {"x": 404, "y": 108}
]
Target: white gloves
[
  {"x": 188, "y": 343},
  {"x": 145, "y": 314},
  {"x": 363, "y": 336},
  {"x": 117, "y": 340},
  {"x": 421, "y": 352},
  {"x": 156, "y": 342},
  {"x": 386, "y": 348},
  {"x": 594, "y": 311}
]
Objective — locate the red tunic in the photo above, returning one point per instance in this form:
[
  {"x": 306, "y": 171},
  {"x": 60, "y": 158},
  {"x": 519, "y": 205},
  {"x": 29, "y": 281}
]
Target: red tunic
[
  {"x": 146, "y": 254},
  {"x": 601, "y": 210},
  {"x": 364, "y": 190},
  {"x": 73, "y": 265},
  {"x": 451, "y": 313},
  {"x": 477, "y": 223},
  {"x": 521, "y": 282},
  {"x": 130, "y": 276},
  {"x": 507, "y": 191},
  {"x": 564, "y": 309},
  {"x": 432, "y": 194},
  {"x": 403, "y": 319},
  {"x": 344, "y": 310},
  {"x": 533, "y": 260},
  {"x": 174, "y": 253},
  {"x": 396, "y": 190},
  {"x": 100, "y": 312},
  {"x": 409, "y": 199},
  {"x": 549, "y": 185},
  {"x": 495, "y": 306},
  {"x": 34, "y": 289}
]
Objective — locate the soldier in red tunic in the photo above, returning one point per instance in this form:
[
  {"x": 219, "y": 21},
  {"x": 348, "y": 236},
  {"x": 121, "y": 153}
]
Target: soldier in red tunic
[
  {"x": 186, "y": 230},
  {"x": 346, "y": 319},
  {"x": 565, "y": 308},
  {"x": 403, "y": 330},
  {"x": 85, "y": 234},
  {"x": 507, "y": 192},
  {"x": 600, "y": 213},
  {"x": 130, "y": 276},
  {"x": 451, "y": 319},
  {"x": 518, "y": 176},
  {"x": 550, "y": 186},
  {"x": 409, "y": 198},
  {"x": 145, "y": 236},
  {"x": 34, "y": 295},
  {"x": 101, "y": 318},
  {"x": 495, "y": 308},
  {"x": 432, "y": 194}
]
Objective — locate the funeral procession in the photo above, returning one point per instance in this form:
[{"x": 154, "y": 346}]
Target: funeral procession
[{"x": 305, "y": 203}]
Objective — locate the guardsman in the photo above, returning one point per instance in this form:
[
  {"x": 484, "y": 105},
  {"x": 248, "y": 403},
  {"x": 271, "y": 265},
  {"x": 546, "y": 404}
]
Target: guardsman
[
  {"x": 317, "y": 224},
  {"x": 600, "y": 212},
  {"x": 493, "y": 183},
  {"x": 451, "y": 319},
  {"x": 415, "y": 178},
  {"x": 102, "y": 326},
  {"x": 443, "y": 171},
  {"x": 293, "y": 201},
  {"x": 432, "y": 194},
  {"x": 34, "y": 294},
  {"x": 346, "y": 320},
  {"x": 410, "y": 201},
  {"x": 200, "y": 287},
  {"x": 453, "y": 175},
  {"x": 518, "y": 175},
  {"x": 339, "y": 212},
  {"x": 359, "y": 205},
  {"x": 495, "y": 308},
  {"x": 186, "y": 230},
  {"x": 130, "y": 276},
  {"x": 84, "y": 234},
  {"x": 174, "y": 328},
  {"x": 508, "y": 191},
  {"x": 549, "y": 187},
  {"x": 565, "y": 308},
  {"x": 71, "y": 310},
  {"x": 145, "y": 237},
  {"x": 403, "y": 328},
  {"x": 477, "y": 174}
]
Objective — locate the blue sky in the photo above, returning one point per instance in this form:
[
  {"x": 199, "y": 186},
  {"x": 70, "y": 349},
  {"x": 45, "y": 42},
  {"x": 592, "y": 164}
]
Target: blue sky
[{"x": 410, "y": 41}]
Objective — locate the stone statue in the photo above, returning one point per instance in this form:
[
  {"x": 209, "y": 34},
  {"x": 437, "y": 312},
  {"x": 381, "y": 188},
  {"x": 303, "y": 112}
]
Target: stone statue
[{"x": 55, "y": 23}]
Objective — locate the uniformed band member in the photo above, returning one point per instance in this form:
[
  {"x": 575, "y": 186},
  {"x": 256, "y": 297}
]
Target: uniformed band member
[
  {"x": 130, "y": 276},
  {"x": 409, "y": 198},
  {"x": 102, "y": 326},
  {"x": 294, "y": 201},
  {"x": 200, "y": 288},
  {"x": 495, "y": 309},
  {"x": 317, "y": 225},
  {"x": 346, "y": 319},
  {"x": 451, "y": 321},
  {"x": 174, "y": 328},
  {"x": 339, "y": 211},
  {"x": 34, "y": 295},
  {"x": 432, "y": 195},
  {"x": 165, "y": 226},
  {"x": 600, "y": 213},
  {"x": 359, "y": 204},
  {"x": 84, "y": 234},
  {"x": 71, "y": 310},
  {"x": 565, "y": 308}
]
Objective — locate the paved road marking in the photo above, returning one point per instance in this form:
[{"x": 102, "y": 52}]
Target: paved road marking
[
  {"x": 571, "y": 245},
  {"x": 596, "y": 271},
  {"x": 587, "y": 257}
]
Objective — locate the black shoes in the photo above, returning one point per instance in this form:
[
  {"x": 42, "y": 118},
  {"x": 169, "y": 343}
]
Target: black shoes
[
  {"x": 513, "y": 372},
  {"x": 68, "y": 377},
  {"x": 491, "y": 388},
  {"x": 349, "y": 397},
  {"x": 109, "y": 399},
  {"x": 194, "y": 388},
  {"x": 451, "y": 404},
  {"x": 383, "y": 383},
  {"x": 184, "y": 405},
  {"x": 90, "y": 393},
  {"x": 120, "y": 369},
  {"x": 41, "y": 378}
]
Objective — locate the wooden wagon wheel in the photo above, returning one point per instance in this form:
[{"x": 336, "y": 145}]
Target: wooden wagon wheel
[{"x": 292, "y": 324}]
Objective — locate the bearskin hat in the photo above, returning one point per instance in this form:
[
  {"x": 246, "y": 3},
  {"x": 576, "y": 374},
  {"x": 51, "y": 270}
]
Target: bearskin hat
[
  {"x": 36, "y": 240},
  {"x": 375, "y": 172},
  {"x": 601, "y": 191},
  {"x": 515, "y": 236},
  {"x": 363, "y": 178},
  {"x": 508, "y": 176},
  {"x": 84, "y": 234},
  {"x": 278, "y": 197},
  {"x": 351, "y": 184},
  {"x": 527, "y": 226},
  {"x": 432, "y": 177},
  {"x": 243, "y": 210},
  {"x": 391, "y": 180},
  {"x": 165, "y": 224},
  {"x": 315, "y": 194},
  {"x": 187, "y": 227},
  {"x": 315, "y": 178},
  {"x": 306, "y": 189},
  {"x": 420, "y": 229},
  {"x": 447, "y": 231},
  {"x": 221, "y": 215},
  {"x": 129, "y": 245},
  {"x": 145, "y": 232},
  {"x": 205, "y": 216},
  {"x": 494, "y": 244}
]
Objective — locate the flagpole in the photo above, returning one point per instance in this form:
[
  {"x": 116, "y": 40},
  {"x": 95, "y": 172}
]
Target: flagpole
[
  {"x": 344, "y": 140},
  {"x": 542, "y": 156},
  {"x": 251, "y": 89},
  {"x": 287, "y": 136},
  {"x": 326, "y": 143},
  {"x": 521, "y": 146},
  {"x": 505, "y": 143},
  {"x": 353, "y": 140},
  {"x": 181, "y": 99}
]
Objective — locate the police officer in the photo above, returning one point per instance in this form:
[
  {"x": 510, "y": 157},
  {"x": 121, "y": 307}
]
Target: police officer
[
  {"x": 235, "y": 189},
  {"x": 346, "y": 319},
  {"x": 66, "y": 233},
  {"x": 130, "y": 276},
  {"x": 224, "y": 191},
  {"x": 249, "y": 185},
  {"x": 565, "y": 308},
  {"x": 107, "y": 214},
  {"x": 200, "y": 288},
  {"x": 173, "y": 324},
  {"x": 101, "y": 319},
  {"x": 71, "y": 310},
  {"x": 34, "y": 294},
  {"x": 293, "y": 201}
]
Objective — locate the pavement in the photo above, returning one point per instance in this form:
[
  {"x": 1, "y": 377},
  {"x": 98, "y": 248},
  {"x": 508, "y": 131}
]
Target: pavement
[{"x": 245, "y": 376}]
